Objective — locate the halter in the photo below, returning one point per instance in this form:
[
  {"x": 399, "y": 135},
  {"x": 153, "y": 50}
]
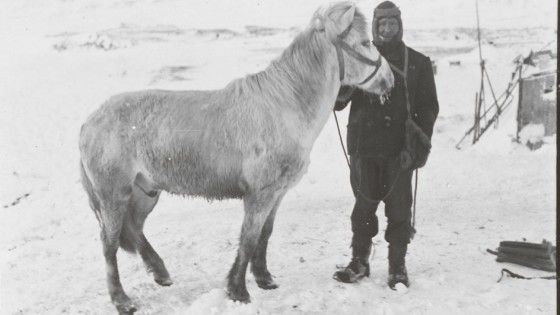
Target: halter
[{"x": 340, "y": 45}]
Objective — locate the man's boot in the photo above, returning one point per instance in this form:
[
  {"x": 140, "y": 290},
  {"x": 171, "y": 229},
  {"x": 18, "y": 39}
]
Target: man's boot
[
  {"x": 358, "y": 266},
  {"x": 397, "y": 266}
]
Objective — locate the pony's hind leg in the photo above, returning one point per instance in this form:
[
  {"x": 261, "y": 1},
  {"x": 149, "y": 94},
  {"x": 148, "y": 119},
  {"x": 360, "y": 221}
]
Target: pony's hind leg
[
  {"x": 139, "y": 207},
  {"x": 258, "y": 261},
  {"x": 257, "y": 209},
  {"x": 112, "y": 193},
  {"x": 111, "y": 228}
]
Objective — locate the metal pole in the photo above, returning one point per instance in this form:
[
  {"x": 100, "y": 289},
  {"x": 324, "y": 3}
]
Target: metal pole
[
  {"x": 478, "y": 32},
  {"x": 520, "y": 99},
  {"x": 476, "y": 118},
  {"x": 493, "y": 95},
  {"x": 480, "y": 95}
]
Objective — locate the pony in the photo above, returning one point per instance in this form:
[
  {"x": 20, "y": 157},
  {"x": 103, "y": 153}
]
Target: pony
[{"x": 250, "y": 140}]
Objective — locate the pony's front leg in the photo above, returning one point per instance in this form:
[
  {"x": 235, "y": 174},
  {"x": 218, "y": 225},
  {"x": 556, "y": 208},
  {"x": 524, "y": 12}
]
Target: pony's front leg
[
  {"x": 258, "y": 261},
  {"x": 257, "y": 209}
]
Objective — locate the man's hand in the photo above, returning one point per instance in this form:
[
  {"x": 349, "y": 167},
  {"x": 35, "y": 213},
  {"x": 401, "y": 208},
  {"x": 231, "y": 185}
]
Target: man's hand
[
  {"x": 344, "y": 96},
  {"x": 345, "y": 93},
  {"x": 417, "y": 147}
]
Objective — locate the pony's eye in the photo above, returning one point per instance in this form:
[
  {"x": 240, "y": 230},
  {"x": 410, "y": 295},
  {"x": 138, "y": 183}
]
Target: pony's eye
[{"x": 366, "y": 43}]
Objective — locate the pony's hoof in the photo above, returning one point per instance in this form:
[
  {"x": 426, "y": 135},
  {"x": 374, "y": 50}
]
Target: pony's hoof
[
  {"x": 268, "y": 284},
  {"x": 237, "y": 296},
  {"x": 126, "y": 308},
  {"x": 264, "y": 280},
  {"x": 164, "y": 282}
]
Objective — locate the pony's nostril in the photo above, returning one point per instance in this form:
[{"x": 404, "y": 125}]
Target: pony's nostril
[
  {"x": 390, "y": 81},
  {"x": 383, "y": 85},
  {"x": 387, "y": 84}
]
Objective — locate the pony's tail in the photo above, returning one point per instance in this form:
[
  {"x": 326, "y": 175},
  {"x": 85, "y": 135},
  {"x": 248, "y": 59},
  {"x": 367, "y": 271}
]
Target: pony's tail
[
  {"x": 88, "y": 187},
  {"x": 128, "y": 236}
]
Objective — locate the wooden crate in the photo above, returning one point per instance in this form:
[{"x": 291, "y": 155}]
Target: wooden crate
[{"x": 537, "y": 101}]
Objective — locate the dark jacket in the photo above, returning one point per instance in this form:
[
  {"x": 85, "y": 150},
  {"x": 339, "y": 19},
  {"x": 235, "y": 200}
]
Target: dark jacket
[{"x": 378, "y": 130}]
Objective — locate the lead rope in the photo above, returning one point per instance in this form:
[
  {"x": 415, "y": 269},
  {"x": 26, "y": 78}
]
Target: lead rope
[
  {"x": 413, "y": 219},
  {"x": 518, "y": 276},
  {"x": 340, "y": 137}
]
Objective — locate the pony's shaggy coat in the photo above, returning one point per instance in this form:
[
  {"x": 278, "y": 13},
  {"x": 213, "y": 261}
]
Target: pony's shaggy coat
[{"x": 250, "y": 140}]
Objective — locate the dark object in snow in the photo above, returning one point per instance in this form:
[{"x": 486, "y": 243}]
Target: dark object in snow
[
  {"x": 533, "y": 146},
  {"x": 455, "y": 63},
  {"x": 518, "y": 276},
  {"x": 18, "y": 199},
  {"x": 535, "y": 56},
  {"x": 529, "y": 60},
  {"x": 533, "y": 255}
]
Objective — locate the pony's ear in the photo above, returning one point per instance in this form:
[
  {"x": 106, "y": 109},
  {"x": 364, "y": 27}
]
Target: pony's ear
[{"x": 342, "y": 17}]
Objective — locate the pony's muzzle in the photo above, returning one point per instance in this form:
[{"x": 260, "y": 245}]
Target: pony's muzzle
[
  {"x": 384, "y": 81},
  {"x": 387, "y": 79}
]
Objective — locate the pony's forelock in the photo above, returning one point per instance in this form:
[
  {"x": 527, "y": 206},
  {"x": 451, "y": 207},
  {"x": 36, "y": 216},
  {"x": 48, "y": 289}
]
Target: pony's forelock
[{"x": 321, "y": 16}]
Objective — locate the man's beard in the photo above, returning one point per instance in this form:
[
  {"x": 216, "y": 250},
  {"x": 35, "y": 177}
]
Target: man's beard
[
  {"x": 388, "y": 46},
  {"x": 386, "y": 39}
]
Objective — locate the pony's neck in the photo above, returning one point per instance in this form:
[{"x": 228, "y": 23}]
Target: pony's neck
[
  {"x": 308, "y": 70},
  {"x": 300, "y": 86}
]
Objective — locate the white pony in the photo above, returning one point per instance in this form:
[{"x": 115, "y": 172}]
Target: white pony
[{"x": 250, "y": 140}]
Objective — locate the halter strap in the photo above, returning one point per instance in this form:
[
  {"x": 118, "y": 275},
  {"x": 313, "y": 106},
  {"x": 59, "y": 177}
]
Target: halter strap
[
  {"x": 341, "y": 45},
  {"x": 339, "y": 56},
  {"x": 340, "y": 62},
  {"x": 356, "y": 54},
  {"x": 369, "y": 77},
  {"x": 345, "y": 32}
]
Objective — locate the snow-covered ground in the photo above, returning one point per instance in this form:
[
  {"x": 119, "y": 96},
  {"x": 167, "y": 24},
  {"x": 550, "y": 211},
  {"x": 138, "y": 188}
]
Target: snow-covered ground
[{"x": 60, "y": 59}]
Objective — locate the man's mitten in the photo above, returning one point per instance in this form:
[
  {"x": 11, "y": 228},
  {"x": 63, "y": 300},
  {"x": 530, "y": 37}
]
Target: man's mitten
[
  {"x": 417, "y": 147},
  {"x": 343, "y": 97}
]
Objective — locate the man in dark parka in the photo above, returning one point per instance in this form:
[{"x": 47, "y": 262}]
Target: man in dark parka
[{"x": 385, "y": 149}]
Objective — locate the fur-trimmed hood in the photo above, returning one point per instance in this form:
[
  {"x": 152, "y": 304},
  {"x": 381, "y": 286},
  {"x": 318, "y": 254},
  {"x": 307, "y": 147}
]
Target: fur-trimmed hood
[{"x": 383, "y": 10}]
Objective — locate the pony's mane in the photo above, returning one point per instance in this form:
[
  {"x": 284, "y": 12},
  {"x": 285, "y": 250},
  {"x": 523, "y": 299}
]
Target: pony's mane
[
  {"x": 298, "y": 70},
  {"x": 300, "y": 61}
]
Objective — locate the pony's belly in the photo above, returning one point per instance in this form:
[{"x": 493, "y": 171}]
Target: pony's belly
[
  {"x": 193, "y": 175},
  {"x": 210, "y": 191},
  {"x": 209, "y": 185}
]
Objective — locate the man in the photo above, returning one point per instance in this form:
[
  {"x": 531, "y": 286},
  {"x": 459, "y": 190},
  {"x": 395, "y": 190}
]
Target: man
[{"x": 386, "y": 142}]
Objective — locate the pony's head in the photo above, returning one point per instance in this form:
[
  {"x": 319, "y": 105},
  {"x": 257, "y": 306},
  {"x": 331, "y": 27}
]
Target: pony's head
[{"x": 359, "y": 62}]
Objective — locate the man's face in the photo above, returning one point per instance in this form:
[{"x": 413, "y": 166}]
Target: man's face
[{"x": 388, "y": 28}]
